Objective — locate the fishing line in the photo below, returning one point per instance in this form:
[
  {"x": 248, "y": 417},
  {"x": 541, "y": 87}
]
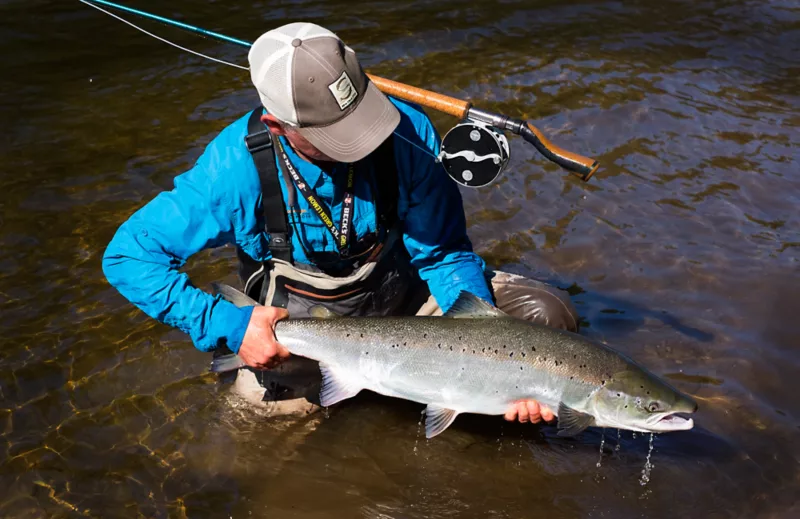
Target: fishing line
[
  {"x": 464, "y": 143},
  {"x": 123, "y": 20},
  {"x": 190, "y": 51}
]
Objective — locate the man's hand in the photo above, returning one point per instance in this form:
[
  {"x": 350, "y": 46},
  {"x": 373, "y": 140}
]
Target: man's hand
[
  {"x": 260, "y": 349},
  {"x": 529, "y": 410}
]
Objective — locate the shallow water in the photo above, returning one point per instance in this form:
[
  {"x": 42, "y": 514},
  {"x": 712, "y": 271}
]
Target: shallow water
[{"x": 682, "y": 252}]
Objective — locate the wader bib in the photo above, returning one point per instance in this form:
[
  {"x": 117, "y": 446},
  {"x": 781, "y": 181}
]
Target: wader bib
[{"x": 383, "y": 282}]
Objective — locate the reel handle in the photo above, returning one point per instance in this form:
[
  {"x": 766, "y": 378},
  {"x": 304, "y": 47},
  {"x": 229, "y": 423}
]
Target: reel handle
[
  {"x": 582, "y": 166},
  {"x": 449, "y": 105}
]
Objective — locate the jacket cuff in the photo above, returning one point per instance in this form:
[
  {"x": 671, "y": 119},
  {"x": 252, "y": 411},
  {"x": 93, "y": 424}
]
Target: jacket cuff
[{"x": 233, "y": 322}]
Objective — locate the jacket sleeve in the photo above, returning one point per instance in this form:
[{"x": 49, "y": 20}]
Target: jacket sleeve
[
  {"x": 144, "y": 256},
  {"x": 436, "y": 229}
]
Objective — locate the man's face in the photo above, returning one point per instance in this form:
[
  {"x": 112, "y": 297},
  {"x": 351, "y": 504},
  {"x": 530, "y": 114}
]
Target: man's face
[{"x": 298, "y": 142}]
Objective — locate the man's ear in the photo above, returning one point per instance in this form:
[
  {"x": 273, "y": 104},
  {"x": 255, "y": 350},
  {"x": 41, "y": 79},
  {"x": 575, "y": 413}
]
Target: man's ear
[{"x": 273, "y": 124}]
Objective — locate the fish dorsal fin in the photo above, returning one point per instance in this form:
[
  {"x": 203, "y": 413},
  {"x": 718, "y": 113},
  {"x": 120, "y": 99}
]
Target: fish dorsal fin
[
  {"x": 234, "y": 296},
  {"x": 335, "y": 387},
  {"x": 469, "y": 306},
  {"x": 321, "y": 312},
  {"x": 437, "y": 419},
  {"x": 572, "y": 422}
]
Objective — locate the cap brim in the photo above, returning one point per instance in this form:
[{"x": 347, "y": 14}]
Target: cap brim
[{"x": 359, "y": 133}]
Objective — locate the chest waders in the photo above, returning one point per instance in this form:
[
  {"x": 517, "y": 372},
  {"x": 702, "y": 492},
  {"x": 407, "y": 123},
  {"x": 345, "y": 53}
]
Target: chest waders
[{"x": 383, "y": 283}]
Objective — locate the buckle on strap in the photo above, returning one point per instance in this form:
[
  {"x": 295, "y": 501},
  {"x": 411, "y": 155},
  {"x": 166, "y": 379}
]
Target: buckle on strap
[
  {"x": 279, "y": 241},
  {"x": 258, "y": 141}
]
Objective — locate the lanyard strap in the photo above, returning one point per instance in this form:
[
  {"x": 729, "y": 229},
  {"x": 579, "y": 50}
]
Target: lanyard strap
[{"x": 343, "y": 233}]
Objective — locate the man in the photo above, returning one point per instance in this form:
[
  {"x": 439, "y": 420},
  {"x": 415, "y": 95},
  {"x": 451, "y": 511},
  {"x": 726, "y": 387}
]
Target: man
[{"x": 331, "y": 193}]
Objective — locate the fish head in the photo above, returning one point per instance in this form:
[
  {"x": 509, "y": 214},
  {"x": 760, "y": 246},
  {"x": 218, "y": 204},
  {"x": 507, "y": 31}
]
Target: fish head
[{"x": 636, "y": 400}]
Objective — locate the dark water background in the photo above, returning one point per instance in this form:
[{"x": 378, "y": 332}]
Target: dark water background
[{"x": 682, "y": 252}]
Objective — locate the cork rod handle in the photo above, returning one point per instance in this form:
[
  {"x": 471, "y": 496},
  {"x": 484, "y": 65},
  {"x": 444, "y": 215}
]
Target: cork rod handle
[{"x": 449, "y": 105}]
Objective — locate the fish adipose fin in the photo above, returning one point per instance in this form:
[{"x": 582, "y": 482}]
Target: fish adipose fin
[
  {"x": 437, "y": 419},
  {"x": 471, "y": 306},
  {"x": 234, "y": 296},
  {"x": 320, "y": 312},
  {"x": 572, "y": 422},
  {"x": 335, "y": 388},
  {"x": 227, "y": 363}
]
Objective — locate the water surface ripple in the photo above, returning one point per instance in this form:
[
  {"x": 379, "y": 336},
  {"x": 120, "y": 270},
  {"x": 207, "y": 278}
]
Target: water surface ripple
[{"x": 682, "y": 252}]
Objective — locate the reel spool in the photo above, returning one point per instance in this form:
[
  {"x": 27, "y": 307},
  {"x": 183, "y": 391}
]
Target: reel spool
[{"x": 474, "y": 154}]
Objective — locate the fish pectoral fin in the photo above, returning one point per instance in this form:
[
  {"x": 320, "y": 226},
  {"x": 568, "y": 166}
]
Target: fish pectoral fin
[
  {"x": 321, "y": 312},
  {"x": 470, "y": 306},
  {"x": 226, "y": 363},
  {"x": 234, "y": 296},
  {"x": 335, "y": 388},
  {"x": 572, "y": 422},
  {"x": 437, "y": 419}
]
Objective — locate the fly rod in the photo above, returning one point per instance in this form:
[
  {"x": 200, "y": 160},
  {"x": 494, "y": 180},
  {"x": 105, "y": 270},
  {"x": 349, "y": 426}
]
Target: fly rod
[{"x": 473, "y": 152}]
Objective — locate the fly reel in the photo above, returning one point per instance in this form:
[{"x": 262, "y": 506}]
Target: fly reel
[{"x": 474, "y": 154}]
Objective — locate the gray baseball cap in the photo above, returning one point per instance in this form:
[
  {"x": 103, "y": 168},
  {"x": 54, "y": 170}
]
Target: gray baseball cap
[{"x": 308, "y": 78}]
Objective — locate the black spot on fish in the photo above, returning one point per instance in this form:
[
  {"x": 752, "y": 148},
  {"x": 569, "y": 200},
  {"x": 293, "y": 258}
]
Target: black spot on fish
[
  {"x": 348, "y": 335},
  {"x": 504, "y": 346},
  {"x": 520, "y": 368},
  {"x": 473, "y": 352},
  {"x": 464, "y": 350},
  {"x": 626, "y": 407},
  {"x": 362, "y": 335},
  {"x": 574, "y": 356},
  {"x": 523, "y": 354},
  {"x": 571, "y": 378},
  {"x": 495, "y": 351},
  {"x": 424, "y": 335},
  {"x": 603, "y": 382},
  {"x": 451, "y": 348},
  {"x": 619, "y": 394},
  {"x": 511, "y": 354},
  {"x": 459, "y": 337},
  {"x": 405, "y": 344},
  {"x": 533, "y": 348}
]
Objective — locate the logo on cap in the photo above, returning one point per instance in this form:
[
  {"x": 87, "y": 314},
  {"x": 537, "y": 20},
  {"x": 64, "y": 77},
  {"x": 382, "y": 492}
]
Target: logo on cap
[{"x": 343, "y": 91}]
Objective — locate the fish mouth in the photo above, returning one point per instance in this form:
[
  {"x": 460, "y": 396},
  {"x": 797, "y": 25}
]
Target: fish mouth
[{"x": 671, "y": 422}]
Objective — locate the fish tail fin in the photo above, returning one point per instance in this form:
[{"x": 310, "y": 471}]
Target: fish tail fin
[
  {"x": 236, "y": 297},
  {"x": 226, "y": 363}
]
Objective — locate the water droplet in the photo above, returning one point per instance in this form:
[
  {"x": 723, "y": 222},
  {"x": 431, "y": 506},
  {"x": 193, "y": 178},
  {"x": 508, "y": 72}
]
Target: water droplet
[
  {"x": 602, "y": 444},
  {"x": 419, "y": 430},
  {"x": 648, "y": 467},
  {"x": 500, "y": 439}
]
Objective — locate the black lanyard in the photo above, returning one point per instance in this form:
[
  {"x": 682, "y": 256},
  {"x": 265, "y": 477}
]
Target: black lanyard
[{"x": 342, "y": 234}]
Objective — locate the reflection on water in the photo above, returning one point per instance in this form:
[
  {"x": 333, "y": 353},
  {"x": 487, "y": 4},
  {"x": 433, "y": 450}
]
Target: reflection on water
[{"x": 682, "y": 252}]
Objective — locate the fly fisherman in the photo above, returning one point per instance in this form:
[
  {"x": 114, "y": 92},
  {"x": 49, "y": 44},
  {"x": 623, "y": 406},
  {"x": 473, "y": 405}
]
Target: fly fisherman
[{"x": 332, "y": 195}]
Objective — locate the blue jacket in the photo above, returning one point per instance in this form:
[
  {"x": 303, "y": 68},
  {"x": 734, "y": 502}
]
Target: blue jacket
[{"x": 218, "y": 202}]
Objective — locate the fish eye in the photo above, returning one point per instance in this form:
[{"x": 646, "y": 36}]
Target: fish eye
[{"x": 653, "y": 407}]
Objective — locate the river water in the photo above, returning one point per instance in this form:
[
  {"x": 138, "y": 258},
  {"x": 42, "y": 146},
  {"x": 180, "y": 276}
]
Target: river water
[{"x": 681, "y": 252}]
